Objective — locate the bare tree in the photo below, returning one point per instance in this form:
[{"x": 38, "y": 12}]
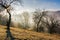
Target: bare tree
[
  {"x": 7, "y": 5},
  {"x": 38, "y": 17},
  {"x": 53, "y": 25},
  {"x": 26, "y": 19}
]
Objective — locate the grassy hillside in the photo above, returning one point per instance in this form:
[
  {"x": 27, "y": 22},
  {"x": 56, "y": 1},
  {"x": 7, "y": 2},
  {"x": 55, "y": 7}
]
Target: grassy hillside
[{"x": 21, "y": 34}]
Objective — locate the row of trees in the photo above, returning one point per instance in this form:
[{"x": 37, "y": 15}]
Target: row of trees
[{"x": 45, "y": 23}]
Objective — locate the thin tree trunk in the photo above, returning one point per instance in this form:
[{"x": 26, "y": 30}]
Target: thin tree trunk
[
  {"x": 42, "y": 14},
  {"x": 38, "y": 23},
  {"x": 9, "y": 21}
]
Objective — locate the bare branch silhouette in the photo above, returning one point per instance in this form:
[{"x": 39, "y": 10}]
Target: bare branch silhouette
[{"x": 6, "y": 4}]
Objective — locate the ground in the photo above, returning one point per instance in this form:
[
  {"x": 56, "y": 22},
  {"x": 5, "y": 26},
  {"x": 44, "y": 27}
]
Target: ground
[{"x": 21, "y": 34}]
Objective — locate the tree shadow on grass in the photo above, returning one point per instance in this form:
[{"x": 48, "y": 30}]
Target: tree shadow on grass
[{"x": 9, "y": 35}]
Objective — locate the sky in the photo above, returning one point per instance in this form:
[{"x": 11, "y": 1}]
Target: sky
[
  {"x": 31, "y": 5},
  {"x": 42, "y": 4}
]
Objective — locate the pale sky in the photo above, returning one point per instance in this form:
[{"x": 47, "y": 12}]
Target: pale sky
[{"x": 42, "y": 4}]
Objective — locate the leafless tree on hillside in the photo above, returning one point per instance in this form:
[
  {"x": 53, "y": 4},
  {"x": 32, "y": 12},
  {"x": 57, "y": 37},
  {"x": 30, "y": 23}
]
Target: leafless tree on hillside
[
  {"x": 38, "y": 17},
  {"x": 7, "y": 5},
  {"x": 54, "y": 24}
]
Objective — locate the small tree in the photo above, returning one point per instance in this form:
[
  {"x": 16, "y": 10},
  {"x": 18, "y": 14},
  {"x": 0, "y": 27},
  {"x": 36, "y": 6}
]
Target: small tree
[
  {"x": 38, "y": 17},
  {"x": 26, "y": 19},
  {"x": 54, "y": 24}
]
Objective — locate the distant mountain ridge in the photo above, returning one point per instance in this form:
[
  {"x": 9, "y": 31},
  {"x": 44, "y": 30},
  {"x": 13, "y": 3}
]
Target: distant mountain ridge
[{"x": 55, "y": 14}]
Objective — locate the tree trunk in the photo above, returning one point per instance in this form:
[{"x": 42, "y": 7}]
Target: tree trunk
[
  {"x": 9, "y": 21},
  {"x": 39, "y": 22}
]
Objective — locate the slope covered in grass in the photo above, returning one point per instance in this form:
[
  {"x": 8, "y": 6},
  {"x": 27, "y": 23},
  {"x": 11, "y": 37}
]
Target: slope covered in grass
[{"x": 21, "y": 34}]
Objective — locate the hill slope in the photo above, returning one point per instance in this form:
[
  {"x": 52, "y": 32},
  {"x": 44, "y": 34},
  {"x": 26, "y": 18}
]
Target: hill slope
[{"x": 21, "y": 34}]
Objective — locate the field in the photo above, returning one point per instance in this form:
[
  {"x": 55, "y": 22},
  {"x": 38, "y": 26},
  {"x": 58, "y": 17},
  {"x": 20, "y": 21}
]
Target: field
[{"x": 21, "y": 34}]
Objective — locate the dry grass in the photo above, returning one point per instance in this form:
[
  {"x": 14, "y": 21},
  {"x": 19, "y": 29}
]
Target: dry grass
[{"x": 21, "y": 34}]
